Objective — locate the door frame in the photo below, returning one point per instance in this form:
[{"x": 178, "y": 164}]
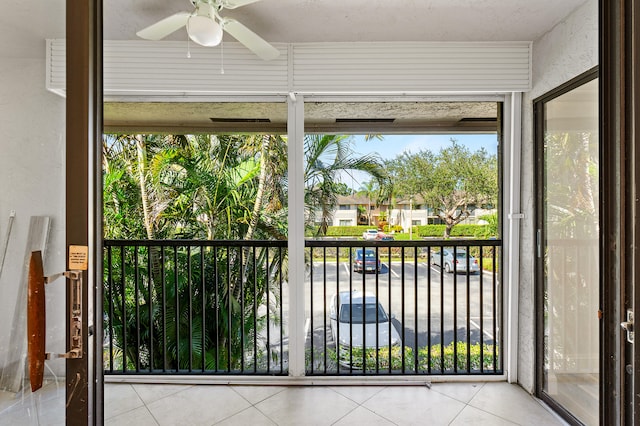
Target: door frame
[
  {"x": 619, "y": 27},
  {"x": 83, "y": 184},
  {"x": 619, "y": 38}
]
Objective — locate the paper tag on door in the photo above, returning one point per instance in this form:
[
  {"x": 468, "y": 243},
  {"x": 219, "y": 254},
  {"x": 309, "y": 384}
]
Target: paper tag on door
[{"x": 78, "y": 258}]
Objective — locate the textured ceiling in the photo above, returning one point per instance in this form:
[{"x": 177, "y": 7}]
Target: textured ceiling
[
  {"x": 311, "y": 20},
  {"x": 348, "y": 117},
  {"x": 299, "y": 21}
]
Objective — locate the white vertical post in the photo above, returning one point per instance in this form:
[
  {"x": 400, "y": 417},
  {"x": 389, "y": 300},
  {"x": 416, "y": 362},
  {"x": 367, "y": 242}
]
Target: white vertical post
[
  {"x": 295, "y": 150},
  {"x": 513, "y": 130}
]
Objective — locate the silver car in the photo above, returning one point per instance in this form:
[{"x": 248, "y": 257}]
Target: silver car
[
  {"x": 445, "y": 260},
  {"x": 365, "y": 316}
]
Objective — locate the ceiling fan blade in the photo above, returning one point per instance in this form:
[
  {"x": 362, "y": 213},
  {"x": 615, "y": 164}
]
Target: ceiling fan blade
[
  {"x": 163, "y": 28},
  {"x": 232, "y": 4},
  {"x": 251, "y": 40}
]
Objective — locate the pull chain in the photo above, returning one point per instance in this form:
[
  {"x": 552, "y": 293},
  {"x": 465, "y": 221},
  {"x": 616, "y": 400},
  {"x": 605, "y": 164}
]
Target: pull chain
[{"x": 221, "y": 57}]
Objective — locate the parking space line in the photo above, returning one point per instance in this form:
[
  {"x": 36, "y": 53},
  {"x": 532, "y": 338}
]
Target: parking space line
[
  {"x": 395, "y": 274},
  {"x": 346, "y": 268},
  {"x": 475, "y": 324}
]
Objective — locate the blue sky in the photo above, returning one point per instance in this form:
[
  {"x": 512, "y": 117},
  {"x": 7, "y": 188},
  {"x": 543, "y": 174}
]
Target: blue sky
[{"x": 392, "y": 145}]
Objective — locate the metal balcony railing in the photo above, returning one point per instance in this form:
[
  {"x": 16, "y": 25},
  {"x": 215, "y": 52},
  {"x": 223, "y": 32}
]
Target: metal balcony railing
[
  {"x": 183, "y": 307},
  {"x": 411, "y": 307},
  {"x": 372, "y": 308}
]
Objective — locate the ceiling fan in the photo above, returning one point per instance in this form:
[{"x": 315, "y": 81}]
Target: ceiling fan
[{"x": 205, "y": 26}]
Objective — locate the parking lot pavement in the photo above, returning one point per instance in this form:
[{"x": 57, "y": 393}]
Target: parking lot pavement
[{"x": 416, "y": 300}]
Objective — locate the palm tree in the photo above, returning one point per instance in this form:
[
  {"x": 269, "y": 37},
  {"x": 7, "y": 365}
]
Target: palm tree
[
  {"x": 213, "y": 187},
  {"x": 327, "y": 156},
  {"x": 370, "y": 189},
  {"x": 193, "y": 187}
]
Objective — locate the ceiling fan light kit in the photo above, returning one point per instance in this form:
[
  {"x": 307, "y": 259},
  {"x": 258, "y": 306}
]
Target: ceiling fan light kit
[
  {"x": 205, "y": 26},
  {"x": 204, "y": 30}
]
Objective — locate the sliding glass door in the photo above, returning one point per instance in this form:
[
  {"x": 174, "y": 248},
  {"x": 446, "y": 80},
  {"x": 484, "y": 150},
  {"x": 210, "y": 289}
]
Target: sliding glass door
[{"x": 568, "y": 248}]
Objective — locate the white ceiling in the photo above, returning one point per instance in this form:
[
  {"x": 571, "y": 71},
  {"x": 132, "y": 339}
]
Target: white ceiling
[{"x": 299, "y": 21}]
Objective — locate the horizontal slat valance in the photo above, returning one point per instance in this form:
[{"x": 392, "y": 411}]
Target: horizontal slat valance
[{"x": 163, "y": 68}]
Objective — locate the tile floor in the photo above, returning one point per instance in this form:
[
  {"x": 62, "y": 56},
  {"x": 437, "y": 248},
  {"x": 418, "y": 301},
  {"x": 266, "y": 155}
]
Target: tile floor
[{"x": 153, "y": 404}]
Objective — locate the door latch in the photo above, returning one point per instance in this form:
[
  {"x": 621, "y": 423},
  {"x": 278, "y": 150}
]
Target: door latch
[
  {"x": 75, "y": 321},
  {"x": 628, "y": 326}
]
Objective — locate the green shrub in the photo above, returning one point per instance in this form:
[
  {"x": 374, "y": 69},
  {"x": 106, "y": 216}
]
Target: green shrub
[
  {"x": 347, "y": 231},
  {"x": 439, "y": 359},
  {"x": 442, "y": 358},
  {"x": 463, "y": 230}
]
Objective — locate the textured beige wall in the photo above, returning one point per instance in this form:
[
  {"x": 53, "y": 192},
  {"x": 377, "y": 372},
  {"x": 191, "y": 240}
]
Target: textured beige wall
[{"x": 32, "y": 125}]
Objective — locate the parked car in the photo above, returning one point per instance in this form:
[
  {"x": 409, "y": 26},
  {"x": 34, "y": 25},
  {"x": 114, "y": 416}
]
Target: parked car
[
  {"x": 370, "y": 234},
  {"x": 361, "y": 314},
  {"x": 366, "y": 261},
  {"x": 384, "y": 237},
  {"x": 460, "y": 262}
]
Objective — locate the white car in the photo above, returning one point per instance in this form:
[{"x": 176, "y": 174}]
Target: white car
[
  {"x": 365, "y": 316},
  {"x": 370, "y": 234},
  {"x": 459, "y": 264}
]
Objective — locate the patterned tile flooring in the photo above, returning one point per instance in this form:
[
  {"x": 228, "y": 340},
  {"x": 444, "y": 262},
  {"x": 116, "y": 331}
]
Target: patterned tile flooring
[{"x": 161, "y": 404}]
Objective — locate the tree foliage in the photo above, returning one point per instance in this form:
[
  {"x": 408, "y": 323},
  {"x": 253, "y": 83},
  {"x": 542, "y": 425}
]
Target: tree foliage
[
  {"x": 197, "y": 186},
  {"x": 203, "y": 187},
  {"x": 326, "y": 157},
  {"x": 451, "y": 181},
  {"x": 571, "y": 185}
]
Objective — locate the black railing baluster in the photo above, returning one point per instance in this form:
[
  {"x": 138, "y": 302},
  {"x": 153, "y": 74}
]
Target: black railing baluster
[
  {"x": 229, "y": 314},
  {"x": 415, "y": 308},
  {"x": 242, "y": 308},
  {"x": 281, "y": 313},
  {"x": 164, "y": 311},
  {"x": 311, "y": 308},
  {"x": 468, "y": 281},
  {"x": 324, "y": 303},
  {"x": 390, "y": 319},
  {"x": 351, "y": 310},
  {"x": 377, "y": 302},
  {"x": 364, "y": 309},
  {"x": 441, "y": 309},
  {"x": 495, "y": 331},
  {"x": 454, "y": 261},
  {"x": 402, "y": 283},
  {"x": 216, "y": 306},
  {"x": 268, "y": 291},
  {"x": 111, "y": 315},
  {"x": 176, "y": 295},
  {"x": 481, "y": 291},
  {"x": 150, "y": 303},
  {"x": 123, "y": 287},
  {"x": 203, "y": 293},
  {"x": 255, "y": 311},
  {"x": 337, "y": 310},
  {"x": 429, "y": 310},
  {"x": 190, "y": 314},
  {"x": 136, "y": 288}
]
